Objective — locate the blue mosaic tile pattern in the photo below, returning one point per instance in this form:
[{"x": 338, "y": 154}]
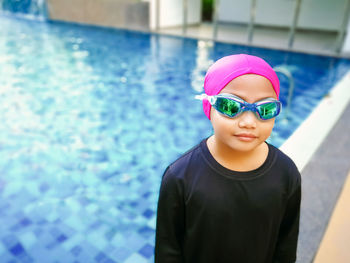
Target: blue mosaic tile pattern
[{"x": 90, "y": 118}]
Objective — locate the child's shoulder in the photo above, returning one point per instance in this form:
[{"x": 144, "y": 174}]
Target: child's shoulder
[
  {"x": 280, "y": 154},
  {"x": 186, "y": 157},
  {"x": 283, "y": 159},
  {"x": 185, "y": 161},
  {"x": 284, "y": 165}
]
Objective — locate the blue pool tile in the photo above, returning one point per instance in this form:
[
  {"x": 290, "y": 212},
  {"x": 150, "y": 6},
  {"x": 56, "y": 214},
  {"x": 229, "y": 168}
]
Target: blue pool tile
[
  {"x": 73, "y": 241},
  {"x": 76, "y": 250},
  {"x": 119, "y": 239},
  {"x": 146, "y": 231},
  {"x": 37, "y": 251},
  {"x": 111, "y": 233},
  {"x": 97, "y": 240},
  {"x": 24, "y": 222},
  {"x": 135, "y": 241},
  {"x": 147, "y": 251},
  {"x": 28, "y": 239},
  {"x": 103, "y": 258},
  {"x": 44, "y": 187},
  {"x": 25, "y": 258},
  {"x": 148, "y": 213},
  {"x": 86, "y": 253},
  {"x": 38, "y": 231},
  {"x": 120, "y": 254},
  {"x": 135, "y": 258},
  {"x": 59, "y": 255},
  {"x": 95, "y": 225},
  {"x": 75, "y": 222},
  {"x": 17, "y": 249},
  {"x": 55, "y": 232},
  {"x": 61, "y": 238},
  {"x": 9, "y": 241},
  {"x": 3, "y": 250},
  {"x": 100, "y": 257},
  {"x": 147, "y": 194}
]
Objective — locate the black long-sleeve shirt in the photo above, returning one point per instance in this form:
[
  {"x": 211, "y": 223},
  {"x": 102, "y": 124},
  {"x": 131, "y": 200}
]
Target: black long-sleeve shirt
[{"x": 210, "y": 214}]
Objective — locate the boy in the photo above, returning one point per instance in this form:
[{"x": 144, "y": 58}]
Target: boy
[{"x": 233, "y": 197}]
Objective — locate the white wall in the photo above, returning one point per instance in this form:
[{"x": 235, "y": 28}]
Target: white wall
[
  {"x": 171, "y": 12},
  {"x": 322, "y": 14},
  {"x": 112, "y": 13},
  {"x": 194, "y": 11},
  {"x": 274, "y": 12},
  {"x": 314, "y": 14},
  {"x": 346, "y": 44},
  {"x": 234, "y": 11}
]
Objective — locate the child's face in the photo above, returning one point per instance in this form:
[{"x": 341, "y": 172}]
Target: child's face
[{"x": 244, "y": 132}]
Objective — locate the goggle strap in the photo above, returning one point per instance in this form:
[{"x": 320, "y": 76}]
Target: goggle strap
[
  {"x": 211, "y": 99},
  {"x": 201, "y": 96}
]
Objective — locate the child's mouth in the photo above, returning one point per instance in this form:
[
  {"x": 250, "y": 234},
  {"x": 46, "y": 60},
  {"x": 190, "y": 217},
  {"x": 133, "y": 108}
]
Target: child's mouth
[{"x": 246, "y": 137}]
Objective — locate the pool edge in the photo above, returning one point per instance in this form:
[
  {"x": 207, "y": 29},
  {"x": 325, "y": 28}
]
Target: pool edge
[{"x": 304, "y": 142}]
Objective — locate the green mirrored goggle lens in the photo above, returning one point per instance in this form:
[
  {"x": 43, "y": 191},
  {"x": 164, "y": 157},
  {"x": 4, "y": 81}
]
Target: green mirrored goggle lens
[
  {"x": 268, "y": 110},
  {"x": 231, "y": 108},
  {"x": 227, "y": 106}
]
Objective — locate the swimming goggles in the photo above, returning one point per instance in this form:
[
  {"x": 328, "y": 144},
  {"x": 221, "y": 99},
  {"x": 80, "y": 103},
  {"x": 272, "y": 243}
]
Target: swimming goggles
[{"x": 232, "y": 106}]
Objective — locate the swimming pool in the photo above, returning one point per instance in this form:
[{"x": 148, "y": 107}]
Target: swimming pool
[{"x": 90, "y": 118}]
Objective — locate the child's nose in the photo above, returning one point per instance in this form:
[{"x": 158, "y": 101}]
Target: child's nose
[{"x": 247, "y": 120}]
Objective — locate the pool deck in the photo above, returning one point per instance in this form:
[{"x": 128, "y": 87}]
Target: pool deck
[
  {"x": 334, "y": 246},
  {"x": 325, "y": 168},
  {"x": 325, "y": 224},
  {"x": 306, "y": 41}
]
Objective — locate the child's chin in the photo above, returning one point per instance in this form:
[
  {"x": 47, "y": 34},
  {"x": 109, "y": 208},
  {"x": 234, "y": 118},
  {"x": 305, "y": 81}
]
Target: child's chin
[{"x": 244, "y": 145}]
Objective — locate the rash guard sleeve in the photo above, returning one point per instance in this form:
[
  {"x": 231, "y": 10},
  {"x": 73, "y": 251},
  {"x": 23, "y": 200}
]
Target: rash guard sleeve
[
  {"x": 170, "y": 220},
  {"x": 289, "y": 229}
]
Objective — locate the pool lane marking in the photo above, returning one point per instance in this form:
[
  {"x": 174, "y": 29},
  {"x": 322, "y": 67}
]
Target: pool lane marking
[{"x": 303, "y": 143}]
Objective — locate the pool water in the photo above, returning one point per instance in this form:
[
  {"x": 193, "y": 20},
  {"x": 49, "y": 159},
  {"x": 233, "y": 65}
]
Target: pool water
[{"x": 91, "y": 117}]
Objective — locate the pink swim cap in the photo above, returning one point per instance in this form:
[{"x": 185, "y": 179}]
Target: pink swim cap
[{"x": 227, "y": 68}]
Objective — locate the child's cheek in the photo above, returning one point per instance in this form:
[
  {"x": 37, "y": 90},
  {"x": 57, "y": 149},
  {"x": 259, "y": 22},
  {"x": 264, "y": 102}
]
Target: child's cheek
[{"x": 212, "y": 112}]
